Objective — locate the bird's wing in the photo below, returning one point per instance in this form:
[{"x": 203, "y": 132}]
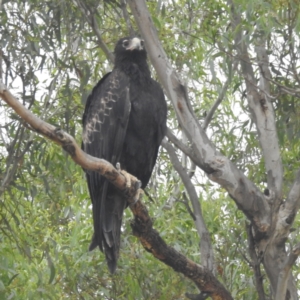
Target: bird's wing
[{"x": 104, "y": 128}]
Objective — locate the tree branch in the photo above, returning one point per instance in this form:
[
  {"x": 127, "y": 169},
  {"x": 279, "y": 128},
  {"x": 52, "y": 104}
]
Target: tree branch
[
  {"x": 293, "y": 200},
  {"x": 219, "y": 169},
  {"x": 69, "y": 144},
  {"x": 126, "y": 17},
  {"x": 218, "y": 101},
  {"x": 142, "y": 224},
  {"x": 180, "y": 145},
  {"x": 288, "y": 210},
  {"x": 260, "y": 106},
  {"x": 153, "y": 243},
  {"x": 285, "y": 273},
  {"x": 255, "y": 264},
  {"x": 91, "y": 19},
  {"x": 207, "y": 256}
]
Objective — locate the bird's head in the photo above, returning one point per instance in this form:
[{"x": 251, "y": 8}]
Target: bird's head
[
  {"x": 132, "y": 48},
  {"x": 130, "y": 44}
]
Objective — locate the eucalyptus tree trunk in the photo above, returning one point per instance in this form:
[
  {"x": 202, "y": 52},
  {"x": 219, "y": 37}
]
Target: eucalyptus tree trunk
[{"x": 270, "y": 216}]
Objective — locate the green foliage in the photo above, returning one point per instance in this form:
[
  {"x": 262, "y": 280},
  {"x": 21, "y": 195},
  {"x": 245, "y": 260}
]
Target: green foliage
[{"x": 50, "y": 59}]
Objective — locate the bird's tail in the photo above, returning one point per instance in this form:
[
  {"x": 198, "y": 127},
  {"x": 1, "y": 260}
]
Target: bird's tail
[{"x": 107, "y": 230}]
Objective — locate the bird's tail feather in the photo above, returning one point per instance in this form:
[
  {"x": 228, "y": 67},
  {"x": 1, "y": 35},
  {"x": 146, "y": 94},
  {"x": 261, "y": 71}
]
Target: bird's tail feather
[
  {"x": 107, "y": 229},
  {"x": 115, "y": 205}
]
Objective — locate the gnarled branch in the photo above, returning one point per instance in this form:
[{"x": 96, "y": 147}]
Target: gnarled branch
[{"x": 142, "y": 224}]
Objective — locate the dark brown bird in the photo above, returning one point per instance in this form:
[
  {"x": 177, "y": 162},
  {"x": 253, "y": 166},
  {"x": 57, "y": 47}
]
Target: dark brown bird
[{"x": 124, "y": 121}]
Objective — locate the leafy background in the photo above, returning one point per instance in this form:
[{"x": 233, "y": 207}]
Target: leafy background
[{"x": 50, "y": 59}]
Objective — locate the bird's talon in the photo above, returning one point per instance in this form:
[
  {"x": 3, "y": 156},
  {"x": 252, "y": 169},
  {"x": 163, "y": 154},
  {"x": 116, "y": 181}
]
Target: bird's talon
[
  {"x": 137, "y": 196},
  {"x": 138, "y": 185},
  {"x": 127, "y": 178}
]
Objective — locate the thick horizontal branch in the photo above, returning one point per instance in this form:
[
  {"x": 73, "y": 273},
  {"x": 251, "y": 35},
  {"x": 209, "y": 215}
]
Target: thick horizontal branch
[
  {"x": 142, "y": 225},
  {"x": 68, "y": 143}
]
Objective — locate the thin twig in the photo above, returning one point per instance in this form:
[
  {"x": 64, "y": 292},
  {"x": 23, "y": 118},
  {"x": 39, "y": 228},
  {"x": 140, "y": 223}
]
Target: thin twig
[
  {"x": 219, "y": 99},
  {"x": 91, "y": 19},
  {"x": 127, "y": 18}
]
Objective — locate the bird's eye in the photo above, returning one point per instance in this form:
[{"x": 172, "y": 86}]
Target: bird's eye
[
  {"x": 125, "y": 43},
  {"x": 142, "y": 43}
]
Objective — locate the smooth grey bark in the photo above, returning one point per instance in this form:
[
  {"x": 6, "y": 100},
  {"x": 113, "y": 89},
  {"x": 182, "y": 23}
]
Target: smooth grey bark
[
  {"x": 218, "y": 167},
  {"x": 285, "y": 273},
  {"x": 271, "y": 247},
  {"x": 268, "y": 214}
]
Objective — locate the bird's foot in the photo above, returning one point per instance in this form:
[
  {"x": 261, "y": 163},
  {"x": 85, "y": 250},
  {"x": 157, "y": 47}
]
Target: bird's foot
[
  {"x": 125, "y": 174},
  {"x": 138, "y": 195},
  {"x": 128, "y": 178}
]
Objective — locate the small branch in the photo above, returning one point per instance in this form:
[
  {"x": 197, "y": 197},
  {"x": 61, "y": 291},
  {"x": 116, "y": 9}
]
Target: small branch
[
  {"x": 142, "y": 225},
  {"x": 126, "y": 17},
  {"x": 153, "y": 243},
  {"x": 185, "y": 201},
  {"x": 285, "y": 273},
  {"x": 180, "y": 145},
  {"x": 91, "y": 19},
  {"x": 206, "y": 251},
  {"x": 255, "y": 264},
  {"x": 219, "y": 99}
]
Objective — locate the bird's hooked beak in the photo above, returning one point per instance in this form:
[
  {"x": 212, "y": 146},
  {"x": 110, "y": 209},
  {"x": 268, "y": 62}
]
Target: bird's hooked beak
[{"x": 136, "y": 44}]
